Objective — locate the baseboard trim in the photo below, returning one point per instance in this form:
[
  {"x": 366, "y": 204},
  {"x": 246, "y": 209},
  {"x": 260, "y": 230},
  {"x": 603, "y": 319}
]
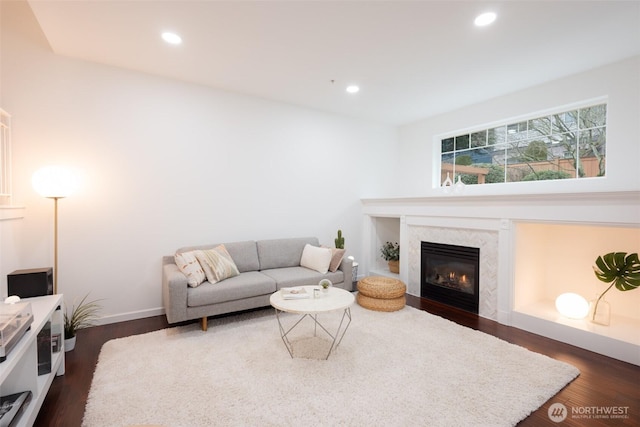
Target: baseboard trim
[{"x": 132, "y": 315}]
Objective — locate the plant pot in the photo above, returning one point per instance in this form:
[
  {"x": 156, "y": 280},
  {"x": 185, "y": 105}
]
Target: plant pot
[
  {"x": 70, "y": 343},
  {"x": 394, "y": 266}
]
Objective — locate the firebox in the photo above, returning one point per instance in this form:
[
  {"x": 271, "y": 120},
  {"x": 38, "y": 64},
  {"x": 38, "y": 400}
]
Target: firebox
[{"x": 450, "y": 274}]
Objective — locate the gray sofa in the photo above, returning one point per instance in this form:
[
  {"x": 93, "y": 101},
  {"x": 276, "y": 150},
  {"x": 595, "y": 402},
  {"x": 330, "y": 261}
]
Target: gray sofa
[{"x": 265, "y": 266}]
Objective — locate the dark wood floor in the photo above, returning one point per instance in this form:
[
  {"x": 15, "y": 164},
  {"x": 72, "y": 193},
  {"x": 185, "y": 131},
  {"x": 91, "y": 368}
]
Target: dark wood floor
[{"x": 603, "y": 382}]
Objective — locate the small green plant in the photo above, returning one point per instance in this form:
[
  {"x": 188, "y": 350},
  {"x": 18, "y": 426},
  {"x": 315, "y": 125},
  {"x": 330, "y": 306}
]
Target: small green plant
[
  {"x": 619, "y": 269},
  {"x": 82, "y": 316},
  {"x": 390, "y": 251},
  {"x": 339, "y": 240},
  {"x": 325, "y": 283}
]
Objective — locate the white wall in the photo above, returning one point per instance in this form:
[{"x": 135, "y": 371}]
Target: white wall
[
  {"x": 620, "y": 82},
  {"x": 166, "y": 164}
]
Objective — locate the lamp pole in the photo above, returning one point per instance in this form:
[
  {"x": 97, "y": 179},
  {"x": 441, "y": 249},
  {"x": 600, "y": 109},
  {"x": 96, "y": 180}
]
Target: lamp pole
[
  {"x": 55, "y": 244},
  {"x": 54, "y": 182}
]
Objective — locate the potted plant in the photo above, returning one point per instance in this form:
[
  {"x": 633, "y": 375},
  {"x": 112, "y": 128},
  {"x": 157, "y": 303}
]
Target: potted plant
[
  {"x": 622, "y": 271},
  {"x": 391, "y": 253},
  {"x": 82, "y": 316},
  {"x": 339, "y": 241},
  {"x": 325, "y": 284}
]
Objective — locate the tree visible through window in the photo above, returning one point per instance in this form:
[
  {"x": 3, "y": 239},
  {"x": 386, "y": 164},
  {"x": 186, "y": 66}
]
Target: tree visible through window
[{"x": 570, "y": 144}]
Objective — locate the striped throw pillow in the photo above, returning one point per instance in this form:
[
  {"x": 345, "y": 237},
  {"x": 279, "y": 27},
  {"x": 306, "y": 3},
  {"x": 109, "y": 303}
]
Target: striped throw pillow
[
  {"x": 217, "y": 264},
  {"x": 190, "y": 267}
]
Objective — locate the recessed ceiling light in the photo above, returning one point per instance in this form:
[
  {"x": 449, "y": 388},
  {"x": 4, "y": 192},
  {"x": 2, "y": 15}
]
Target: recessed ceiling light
[
  {"x": 485, "y": 19},
  {"x": 171, "y": 38},
  {"x": 353, "y": 89}
]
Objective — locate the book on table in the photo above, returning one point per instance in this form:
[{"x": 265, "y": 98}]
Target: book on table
[{"x": 294, "y": 293}]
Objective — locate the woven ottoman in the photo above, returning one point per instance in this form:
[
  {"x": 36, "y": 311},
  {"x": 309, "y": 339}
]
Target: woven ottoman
[{"x": 381, "y": 293}]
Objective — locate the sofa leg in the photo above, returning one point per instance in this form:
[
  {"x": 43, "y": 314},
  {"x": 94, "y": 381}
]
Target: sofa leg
[{"x": 203, "y": 323}]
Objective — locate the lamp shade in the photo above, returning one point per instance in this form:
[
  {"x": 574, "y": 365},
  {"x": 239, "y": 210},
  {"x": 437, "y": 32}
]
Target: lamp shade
[
  {"x": 54, "y": 182},
  {"x": 572, "y": 306}
]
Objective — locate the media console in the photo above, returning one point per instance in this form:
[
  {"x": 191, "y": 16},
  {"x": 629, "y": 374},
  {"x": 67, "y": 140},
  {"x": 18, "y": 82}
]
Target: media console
[{"x": 19, "y": 372}]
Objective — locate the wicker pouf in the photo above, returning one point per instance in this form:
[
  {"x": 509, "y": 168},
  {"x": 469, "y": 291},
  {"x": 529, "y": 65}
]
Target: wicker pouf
[{"x": 381, "y": 293}]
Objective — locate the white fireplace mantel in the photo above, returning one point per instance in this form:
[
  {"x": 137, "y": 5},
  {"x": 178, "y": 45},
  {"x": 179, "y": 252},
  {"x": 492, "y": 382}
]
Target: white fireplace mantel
[
  {"x": 621, "y": 207},
  {"x": 494, "y": 221}
]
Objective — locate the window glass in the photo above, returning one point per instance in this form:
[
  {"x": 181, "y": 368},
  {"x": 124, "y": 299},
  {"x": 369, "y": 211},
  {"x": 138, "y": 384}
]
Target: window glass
[
  {"x": 462, "y": 142},
  {"x": 496, "y": 135},
  {"x": 566, "y": 145},
  {"x": 591, "y": 152},
  {"x": 517, "y": 131},
  {"x": 447, "y": 145},
  {"x": 564, "y": 122},
  {"x": 539, "y": 127},
  {"x": 593, "y": 116},
  {"x": 479, "y": 139}
]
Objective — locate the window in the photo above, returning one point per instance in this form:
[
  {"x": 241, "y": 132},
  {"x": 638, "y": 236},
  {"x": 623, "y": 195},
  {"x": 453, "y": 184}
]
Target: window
[
  {"x": 5, "y": 157},
  {"x": 566, "y": 145}
]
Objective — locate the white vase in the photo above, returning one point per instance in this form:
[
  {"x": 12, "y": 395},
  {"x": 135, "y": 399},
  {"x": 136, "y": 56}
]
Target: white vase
[
  {"x": 447, "y": 184},
  {"x": 459, "y": 186},
  {"x": 70, "y": 343}
]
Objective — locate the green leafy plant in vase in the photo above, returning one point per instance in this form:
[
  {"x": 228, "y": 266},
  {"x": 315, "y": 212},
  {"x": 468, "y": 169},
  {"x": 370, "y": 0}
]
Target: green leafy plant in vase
[
  {"x": 82, "y": 316},
  {"x": 390, "y": 252},
  {"x": 325, "y": 284},
  {"x": 620, "y": 269}
]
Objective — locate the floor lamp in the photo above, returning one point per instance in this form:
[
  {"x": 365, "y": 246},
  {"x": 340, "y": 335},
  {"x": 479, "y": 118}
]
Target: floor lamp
[{"x": 54, "y": 182}]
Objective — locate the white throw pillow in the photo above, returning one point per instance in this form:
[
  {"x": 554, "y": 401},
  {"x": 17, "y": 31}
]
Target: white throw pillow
[
  {"x": 190, "y": 267},
  {"x": 316, "y": 258}
]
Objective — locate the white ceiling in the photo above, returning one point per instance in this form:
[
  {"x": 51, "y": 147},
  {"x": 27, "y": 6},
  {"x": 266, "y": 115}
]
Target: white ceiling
[{"x": 411, "y": 59}]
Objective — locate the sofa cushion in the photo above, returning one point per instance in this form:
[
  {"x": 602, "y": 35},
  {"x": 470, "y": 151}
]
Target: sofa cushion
[
  {"x": 245, "y": 285},
  {"x": 217, "y": 264},
  {"x": 190, "y": 267},
  {"x": 316, "y": 258},
  {"x": 301, "y": 276},
  {"x": 245, "y": 255},
  {"x": 280, "y": 253}
]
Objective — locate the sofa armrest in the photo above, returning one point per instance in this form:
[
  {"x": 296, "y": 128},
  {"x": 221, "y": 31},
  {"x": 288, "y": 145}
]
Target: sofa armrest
[
  {"x": 346, "y": 266},
  {"x": 174, "y": 293}
]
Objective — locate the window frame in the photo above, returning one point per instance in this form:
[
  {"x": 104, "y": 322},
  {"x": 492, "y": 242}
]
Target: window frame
[{"x": 437, "y": 180}]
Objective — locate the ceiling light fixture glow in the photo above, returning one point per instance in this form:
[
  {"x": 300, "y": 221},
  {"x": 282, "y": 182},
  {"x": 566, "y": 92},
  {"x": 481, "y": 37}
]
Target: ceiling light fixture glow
[
  {"x": 485, "y": 19},
  {"x": 353, "y": 89},
  {"x": 171, "y": 38}
]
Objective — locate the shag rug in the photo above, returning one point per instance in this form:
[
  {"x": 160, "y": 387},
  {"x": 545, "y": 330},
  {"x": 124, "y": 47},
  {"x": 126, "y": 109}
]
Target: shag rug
[{"x": 392, "y": 369}]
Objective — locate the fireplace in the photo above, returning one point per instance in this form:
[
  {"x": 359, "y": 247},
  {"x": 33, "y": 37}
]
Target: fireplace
[{"x": 450, "y": 274}]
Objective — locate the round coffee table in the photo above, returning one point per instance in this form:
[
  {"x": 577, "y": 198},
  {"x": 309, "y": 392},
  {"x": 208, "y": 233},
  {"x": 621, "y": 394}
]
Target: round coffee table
[{"x": 334, "y": 300}]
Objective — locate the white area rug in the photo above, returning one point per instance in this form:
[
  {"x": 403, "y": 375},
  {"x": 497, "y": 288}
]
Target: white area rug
[{"x": 392, "y": 369}]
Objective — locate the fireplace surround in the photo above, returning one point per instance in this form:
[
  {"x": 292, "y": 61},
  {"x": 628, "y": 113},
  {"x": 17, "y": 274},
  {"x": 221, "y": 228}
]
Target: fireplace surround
[{"x": 518, "y": 280}]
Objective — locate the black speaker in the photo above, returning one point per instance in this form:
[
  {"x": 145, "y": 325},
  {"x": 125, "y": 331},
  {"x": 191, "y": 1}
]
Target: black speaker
[{"x": 33, "y": 282}]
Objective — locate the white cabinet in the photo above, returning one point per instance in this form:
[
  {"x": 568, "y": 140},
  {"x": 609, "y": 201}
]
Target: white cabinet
[{"x": 19, "y": 372}]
